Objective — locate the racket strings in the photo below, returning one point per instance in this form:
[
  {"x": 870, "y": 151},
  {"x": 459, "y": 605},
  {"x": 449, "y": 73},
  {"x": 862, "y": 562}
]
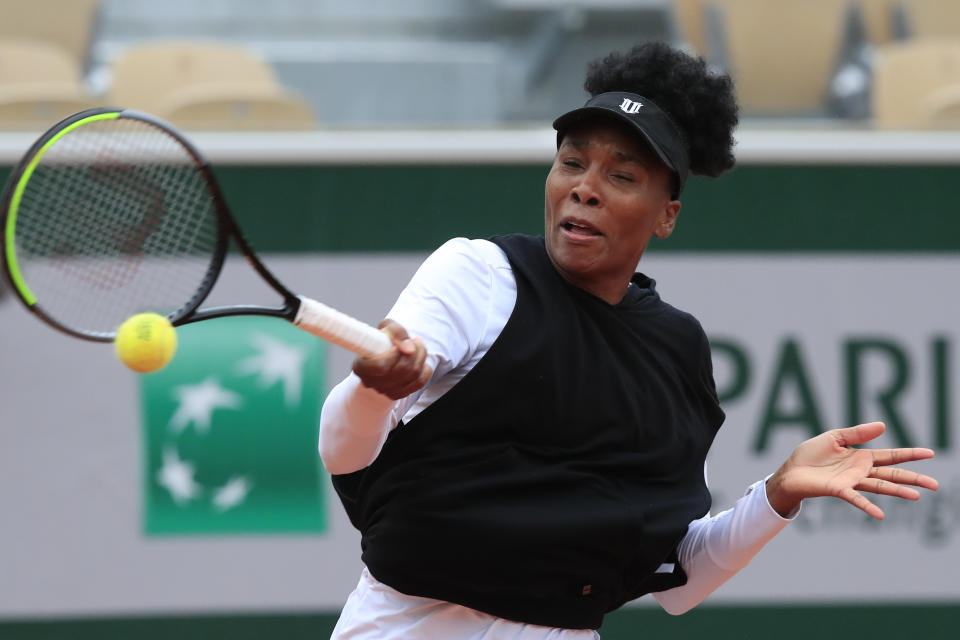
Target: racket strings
[{"x": 115, "y": 219}]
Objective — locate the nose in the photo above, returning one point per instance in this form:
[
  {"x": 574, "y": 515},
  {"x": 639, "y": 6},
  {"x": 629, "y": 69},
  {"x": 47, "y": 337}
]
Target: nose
[{"x": 584, "y": 193}]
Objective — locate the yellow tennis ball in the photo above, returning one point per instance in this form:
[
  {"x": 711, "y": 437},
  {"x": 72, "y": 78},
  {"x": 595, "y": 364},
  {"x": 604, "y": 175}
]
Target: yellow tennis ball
[{"x": 146, "y": 342}]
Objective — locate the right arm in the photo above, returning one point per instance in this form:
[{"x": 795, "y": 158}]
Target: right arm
[
  {"x": 354, "y": 429},
  {"x": 439, "y": 328}
]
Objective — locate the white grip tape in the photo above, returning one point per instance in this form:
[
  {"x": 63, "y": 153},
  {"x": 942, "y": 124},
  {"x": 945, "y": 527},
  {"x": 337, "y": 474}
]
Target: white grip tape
[{"x": 340, "y": 329}]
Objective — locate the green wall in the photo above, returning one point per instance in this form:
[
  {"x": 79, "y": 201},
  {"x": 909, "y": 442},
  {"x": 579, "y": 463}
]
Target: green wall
[
  {"x": 752, "y": 208},
  {"x": 929, "y": 622}
]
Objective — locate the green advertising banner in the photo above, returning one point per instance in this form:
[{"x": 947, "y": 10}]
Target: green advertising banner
[{"x": 230, "y": 431}]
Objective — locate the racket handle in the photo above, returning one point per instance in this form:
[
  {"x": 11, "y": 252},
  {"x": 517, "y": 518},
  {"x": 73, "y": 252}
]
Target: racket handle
[{"x": 340, "y": 329}]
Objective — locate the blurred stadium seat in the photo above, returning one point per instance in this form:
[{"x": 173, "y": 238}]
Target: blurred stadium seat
[
  {"x": 28, "y": 61},
  {"x": 300, "y": 60},
  {"x": 688, "y": 16},
  {"x": 344, "y": 58},
  {"x": 384, "y": 63},
  {"x": 877, "y": 18},
  {"x": 143, "y": 75},
  {"x": 927, "y": 18},
  {"x": 40, "y": 83},
  {"x": 69, "y": 24},
  {"x": 917, "y": 84},
  {"x": 942, "y": 107},
  {"x": 236, "y": 107},
  {"x": 781, "y": 55},
  {"x": 39, "y": 108},
  {"x": 208, "y": 85}
]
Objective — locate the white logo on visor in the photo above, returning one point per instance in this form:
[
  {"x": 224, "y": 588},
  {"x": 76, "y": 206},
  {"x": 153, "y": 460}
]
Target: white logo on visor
[{"x": 630, "y": 106}]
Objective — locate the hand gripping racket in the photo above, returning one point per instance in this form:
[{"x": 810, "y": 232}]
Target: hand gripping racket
[{"x": 113, "y": 212}]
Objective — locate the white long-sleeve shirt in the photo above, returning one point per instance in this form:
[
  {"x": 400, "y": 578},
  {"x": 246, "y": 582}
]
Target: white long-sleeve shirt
[{"x": 458, "y": 302}]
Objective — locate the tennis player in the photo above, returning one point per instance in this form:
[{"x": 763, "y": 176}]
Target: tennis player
[{"x": 530, "y": 455}]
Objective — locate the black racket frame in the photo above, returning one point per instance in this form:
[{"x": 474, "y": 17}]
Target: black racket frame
[{"x": 227, "y": 228}]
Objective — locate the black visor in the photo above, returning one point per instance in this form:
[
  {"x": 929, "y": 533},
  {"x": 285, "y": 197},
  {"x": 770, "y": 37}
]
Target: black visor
[{"x": 647, "y": 118}]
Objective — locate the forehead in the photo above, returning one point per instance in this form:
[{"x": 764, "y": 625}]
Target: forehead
[{"x": 619, "y": 138}]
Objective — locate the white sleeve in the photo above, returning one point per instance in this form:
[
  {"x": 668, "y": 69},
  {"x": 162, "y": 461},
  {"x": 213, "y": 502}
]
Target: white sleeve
[
  {"x": 446, "y": 304},
  {"x": 716, "y": 547}
]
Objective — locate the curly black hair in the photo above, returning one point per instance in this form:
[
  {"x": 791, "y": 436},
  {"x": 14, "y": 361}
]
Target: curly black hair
[{"x": 700, "y": 102}]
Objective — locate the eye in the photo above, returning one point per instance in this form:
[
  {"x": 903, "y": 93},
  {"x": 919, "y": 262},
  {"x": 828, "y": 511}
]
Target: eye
[
  {"x": 622, "y": 177},
  {"x": 572, "y": 162}
]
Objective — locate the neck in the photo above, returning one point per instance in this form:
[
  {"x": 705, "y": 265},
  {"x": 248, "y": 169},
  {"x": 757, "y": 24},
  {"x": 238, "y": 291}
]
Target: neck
[{"x": 610, "y": 292}]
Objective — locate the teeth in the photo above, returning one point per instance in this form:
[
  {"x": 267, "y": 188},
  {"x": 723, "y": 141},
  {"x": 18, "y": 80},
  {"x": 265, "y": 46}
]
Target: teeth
[{"x": 582, "y": 229}]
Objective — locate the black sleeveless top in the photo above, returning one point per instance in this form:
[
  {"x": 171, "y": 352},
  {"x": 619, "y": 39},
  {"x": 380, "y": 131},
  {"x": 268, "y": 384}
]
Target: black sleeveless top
[{"x": 553, "y": 483}]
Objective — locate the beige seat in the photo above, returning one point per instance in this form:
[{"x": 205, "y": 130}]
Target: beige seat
[
  {"x": 781, "y": 55},
  {"x": 200, "y": 85},
  {"x": 65, "y": 23},
  {"x": 942, "y": 107},
  {"x": 143, "y": 76},
  {"x": 688, "y": 17},
  {"x": 917, "y": 84},
  {"x": 930, "y": 18},
  {"x": 226, "y": 107},
  {"x": 688, "y": 23},
  {"x": 39, "y": 84},
  {"x": 38, "y": 112},
  {"x": 876, "y": 17},
  {"x": 32, "y": 61}
]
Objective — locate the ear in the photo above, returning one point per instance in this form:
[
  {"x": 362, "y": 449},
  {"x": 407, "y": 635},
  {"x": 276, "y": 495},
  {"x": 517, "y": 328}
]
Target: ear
[{"x": 667, "y": 220}]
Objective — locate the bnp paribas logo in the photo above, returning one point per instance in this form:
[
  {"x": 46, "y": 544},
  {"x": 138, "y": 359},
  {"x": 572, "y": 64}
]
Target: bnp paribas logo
[{"x": 230, "y": 431}]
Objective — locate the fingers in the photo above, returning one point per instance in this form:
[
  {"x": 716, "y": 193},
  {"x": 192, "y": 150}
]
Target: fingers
[
  {"x": 888, "y": 482},
  {"x": 419, "y": 372},
  {"x": 887, "y": 488},
  {"x": 860, "y": 502},
  {"x": 395, "y": 374},
  {"x": 905, "y": 477},
  {"x": 398, "y": 335},
  {"x": 867, "y": 470},
  {"x": 884, "y": 457},
  {"x": 398, "y": 372},
  {"x": 858, "y": 434},
  {"x": 861, "y": 433}
]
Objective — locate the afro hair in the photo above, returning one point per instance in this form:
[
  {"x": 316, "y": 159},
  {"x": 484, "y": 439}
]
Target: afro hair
[{"x": 700, "y": 102}]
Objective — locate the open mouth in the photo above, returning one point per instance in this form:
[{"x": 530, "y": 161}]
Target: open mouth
[{"x": 579, "y": 228}]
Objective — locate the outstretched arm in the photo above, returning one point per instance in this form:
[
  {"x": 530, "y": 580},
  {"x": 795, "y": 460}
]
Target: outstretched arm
[{"x": 717, "y": 547}]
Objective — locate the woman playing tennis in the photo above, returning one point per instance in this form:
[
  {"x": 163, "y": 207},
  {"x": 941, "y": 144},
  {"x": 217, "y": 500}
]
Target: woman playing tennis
[{"x": 530, "y": 453}]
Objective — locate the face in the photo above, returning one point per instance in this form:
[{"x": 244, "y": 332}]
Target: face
[{"x": 606, "y": 195}]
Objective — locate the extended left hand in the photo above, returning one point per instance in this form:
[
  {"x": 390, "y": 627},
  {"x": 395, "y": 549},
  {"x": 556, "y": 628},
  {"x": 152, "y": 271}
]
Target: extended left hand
[{"x": 828, "y": 465}]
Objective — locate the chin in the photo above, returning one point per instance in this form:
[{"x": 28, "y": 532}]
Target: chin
[{"x": 569, "y": 261}]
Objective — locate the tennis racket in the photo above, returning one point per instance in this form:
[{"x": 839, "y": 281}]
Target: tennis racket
[{"x": 113, "y": 212}]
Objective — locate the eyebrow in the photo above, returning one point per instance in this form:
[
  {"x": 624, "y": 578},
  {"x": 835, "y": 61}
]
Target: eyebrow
[
  {"x": 629, "y": 157},
  {"x": 619, "y": 155}
]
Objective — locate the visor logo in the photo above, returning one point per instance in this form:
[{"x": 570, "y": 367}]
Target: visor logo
[{"x": 630, "y": 106}]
